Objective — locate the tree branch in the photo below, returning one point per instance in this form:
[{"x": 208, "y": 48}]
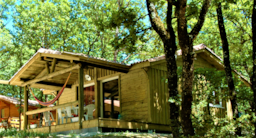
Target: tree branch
[
  {"x": 3, "y": 67},
  {"x": 127, "y": 58},
  {"x": 200, "y": 22},
  {"x": 156, "y": 22}
]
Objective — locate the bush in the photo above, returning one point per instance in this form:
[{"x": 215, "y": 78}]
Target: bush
[{"x": 13, "y": 133}]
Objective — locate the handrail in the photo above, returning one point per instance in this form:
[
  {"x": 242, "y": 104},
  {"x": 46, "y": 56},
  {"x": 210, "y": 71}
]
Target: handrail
[{"x": 50, "y": 108}]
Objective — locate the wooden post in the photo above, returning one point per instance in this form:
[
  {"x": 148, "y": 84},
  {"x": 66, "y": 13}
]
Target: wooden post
[
  {"x": 53, "y": 65},
  {"x": 81, "y": 95},
  {"x": 112, "y": 106},
  {"x": 101, "y": 100},
  {"x": 25, "y": 120},
  {"x": 96, "y": 93},
  {"x": 47, "y": 67},
  {"x": 119, "y": 91}
]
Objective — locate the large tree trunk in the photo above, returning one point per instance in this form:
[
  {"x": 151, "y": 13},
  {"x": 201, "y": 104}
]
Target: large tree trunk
[
  {"x": 170, "y": 48},
  {"x": 253, "y": 78},
  {"x": 186, "y": 44},
  {"x": 228, "y": 70},
  {"x": 168, "y": 38},
  {"x": 187, "y": 71},
  {"x": 187, "y": 87}
]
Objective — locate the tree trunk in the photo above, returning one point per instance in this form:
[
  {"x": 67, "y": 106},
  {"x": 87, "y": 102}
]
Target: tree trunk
[
  {"x": 186, "y": 44},
  {"x": 187, "y": 87},
  {"x": 253, "y": 78},
  {"x": 170, "y": 49},
  {"x": 168, "y": 38},
  {"x": 187, "y": 70},
  {"x": 228, "y": 70},
  {"x": 20, "y": 108}
]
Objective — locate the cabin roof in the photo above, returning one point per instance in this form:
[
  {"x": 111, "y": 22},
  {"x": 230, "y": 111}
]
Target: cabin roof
[
  {"x": 207, "y": 54},
  {"x": 197, "y": 48},
  {"x": 35, "y": 67},
  {"x": 16, "y": 101}
]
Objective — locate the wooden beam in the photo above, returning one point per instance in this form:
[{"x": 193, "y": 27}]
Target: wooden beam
[
  {"x": 4, "y": 82},
  {"x": 53, "y": 65},
  {"x": 105, "y": 64},
  {"x": 41, "y": 73},
  {"x": 109, "y": 77},
  {"x": 65, "y": 57},
  {"x": 114, "y": 123},
  {"x": 60, "y": 63},
  {"x": 96, "y": 92},
  {"x": 81, "y": 95},
  {"x": 51, "y": 108},
  {"x": 47, "y": 67},
  {"x": 25, "y": 120},
  {"x": 47, "y": 86},
  {"x": 51, "y": 75}
]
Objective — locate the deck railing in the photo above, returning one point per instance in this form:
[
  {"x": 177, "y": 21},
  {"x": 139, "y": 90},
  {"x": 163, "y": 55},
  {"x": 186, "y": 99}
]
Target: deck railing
[
  {"x": 14, "y": 122},
  {"x": 32, "y": 112}
]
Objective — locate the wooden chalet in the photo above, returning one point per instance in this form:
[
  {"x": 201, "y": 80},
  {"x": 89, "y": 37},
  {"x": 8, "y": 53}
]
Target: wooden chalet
[
  {"x": 125, "y": 96},
  {"x": 9, "y": 111}
]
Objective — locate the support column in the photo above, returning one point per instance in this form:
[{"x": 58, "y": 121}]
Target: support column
[
  {"x": 81, "y": 95},
  {"x": 112, "y": 106},
  {"x": 101, "y": 100},
  {"x": 25, "y": 120},
  {"x": 96, "y": 93},
  {"x": 119, "y": 91}
]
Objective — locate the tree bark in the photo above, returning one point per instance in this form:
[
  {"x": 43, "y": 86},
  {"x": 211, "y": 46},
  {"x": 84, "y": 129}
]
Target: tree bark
[
  {"x": 253, "y": 78},
  {"x": 186, "y": 43},
  {"x": 187, "y": 70},
  {"x": 168, "y": 38},
  {"x": 228, "y": 70}
]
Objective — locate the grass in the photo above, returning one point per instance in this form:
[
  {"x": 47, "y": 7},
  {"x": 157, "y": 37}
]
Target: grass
[{"x": 13, "y": 133}]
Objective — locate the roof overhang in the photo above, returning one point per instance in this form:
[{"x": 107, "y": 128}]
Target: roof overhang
[
  {"x": 202, "y": 51},
  {"x": 36, "y": 68}
]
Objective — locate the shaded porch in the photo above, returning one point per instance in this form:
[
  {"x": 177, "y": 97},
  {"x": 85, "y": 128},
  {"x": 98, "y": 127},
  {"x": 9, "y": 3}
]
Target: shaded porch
[{"x": 87, "y": 81}]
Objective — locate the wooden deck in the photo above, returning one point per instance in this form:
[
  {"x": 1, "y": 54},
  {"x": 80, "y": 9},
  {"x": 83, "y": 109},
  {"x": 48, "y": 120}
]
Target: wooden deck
[{"x": 104, "y": 123}]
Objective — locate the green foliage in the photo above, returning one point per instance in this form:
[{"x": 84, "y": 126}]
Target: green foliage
[
  {"x": 121, "y": 32},
  {"x": 12, "y": 132},
  {"x": 205, "y": 121}
]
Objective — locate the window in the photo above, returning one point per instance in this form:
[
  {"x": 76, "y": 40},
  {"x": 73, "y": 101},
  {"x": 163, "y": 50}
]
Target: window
[
  {"x": 216, "y": 102},
  {"x": 111, "y": 98},
  {"x": 2, "y": 113},
  {"x": 89, "y": 95}
]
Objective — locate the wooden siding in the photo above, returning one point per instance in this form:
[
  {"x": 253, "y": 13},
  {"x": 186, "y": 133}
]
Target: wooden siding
[
  {"x": 14, "y": 111},
  {"x": 160, "y": 110},
  {"x": 159, "y": 106},
  {"x": 100, "y": 72},
  {"x": 68, "y": 95},
  {"x": 134, "y": 96}
]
